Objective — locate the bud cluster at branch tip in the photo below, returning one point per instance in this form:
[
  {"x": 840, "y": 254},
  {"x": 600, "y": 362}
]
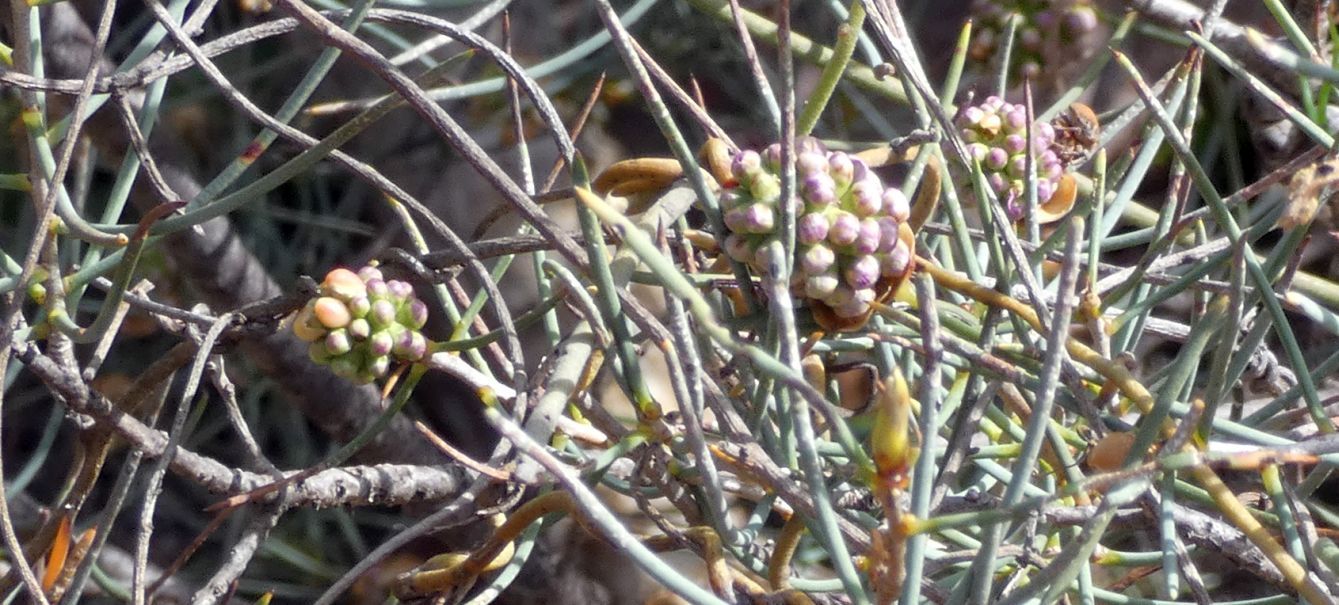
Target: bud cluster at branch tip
[
  {"x": 361, "y": 323},
  {"x": 852, "y": 244}
]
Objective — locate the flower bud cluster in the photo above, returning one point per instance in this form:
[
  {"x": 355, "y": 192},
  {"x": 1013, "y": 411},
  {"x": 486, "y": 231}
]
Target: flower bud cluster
[
  {"x": 996, "y": 135},
  {"x": 849, "y": 245},
  {"x": 361, "y": 323},
  {"x": 1051, "y": 34}
]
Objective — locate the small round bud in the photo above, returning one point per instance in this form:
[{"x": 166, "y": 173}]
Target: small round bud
[
  {"x": 820, "y": 286},
  {"x": 338, "y": 342},
  {"x": 868, "y": 239},
  {"x": 382, "y": 313},
  {"x": 745, "y": 165},
  {"x": 817, "y": 259},
  {"x": 360, "y": 306},
  {"x": 400, "y": 289},
  {"x": 845, "y": 229},
  {"x": 895, "y": 203},
  {"x": 862, "y": 273},
  {"x": 414, "y": 314},
  {"x": 759, "y": 218},
  {"x": 812, "y": 228},
  {"x": 866, "y": 197},
  {"x": 360, "y": 329},
  {"x": 379, "y": 366},
  {"x": 841, "y": 168},
  {"x": 380, "y": 343},
  {"x": 895, "y": 262},
  {"x": 369, "y": 273}
]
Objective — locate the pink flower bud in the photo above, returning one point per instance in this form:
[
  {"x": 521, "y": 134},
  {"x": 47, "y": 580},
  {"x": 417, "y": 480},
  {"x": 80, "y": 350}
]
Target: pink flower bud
[
  {"x": 759, "y": 218},
  {"x": 841, "y": 167},
  {"x": 896, "y": 205},
  {"x": 382, "y": 313},
  {"x": 369, "y": 273},
  {"x": 812, "y": 228},
  {"x": 817, "y": 259},
  {"x": 866, "y": 197},
  {"x": 862, "y": 273},
  {"x": 868, "y": 239},
  {"x": 896, "y": 261},
  {"x": 745, "y": 165},
  {"x": 845, "y": 228},
  {"x": 338, "y": 343},
  {"x": 359, "y": 329}
]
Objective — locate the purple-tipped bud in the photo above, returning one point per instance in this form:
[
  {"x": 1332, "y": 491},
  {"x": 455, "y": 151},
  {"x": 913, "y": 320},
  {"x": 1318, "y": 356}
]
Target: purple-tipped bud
[
  {"x": 972, "y": 116},
  {"x": 771, "y": 157},
  {"x": 735, "y": 220},
  {"x": 1045, "y": 189},
  {"x": 820, "y": 286},
  {"x": 380, "y": 343},
  {"x": 859, "y": 170},
  {"x": 888, "y": 234},
  {"x": 811, "y": 162},
  {"x": 868, "y": 239},
  {"x": 993, "y": 103},
  {"x": 379, "y": 366},
  {"x": 817, "y": 259},
  {"x": 997, "y": 183},
  {"x": 819, "y": 189},
  {"x": 746, "y": 164},
  {"x": 414, "y": 314},
  {"x": 841, "y": 167},
  {"x": 382, "y": 313},
  {"x": 862, "y": 273},
  {"x": 1043, "y": 134},
  {"x": 759, "y": 218},
  {"x": 996, "y": 158},
  {"x": 812, "y": 228},
  {"x": 360, "y": 329},
  {"x": 1016, "y": 118},
  {"x": 369, "y": 273},
  {"x": 1017, "y": 167},
  {"x": 338, "y": 343},
  {"x": 400, "y": 289},
  {"x": 376, "y": 288},
  {"x": 895, "y": 262},
  {"x": 978, "y": 151},
  {"x": 896, "y": 205},
  {"x": 845, "y": 228},
  {"x": 1015, "y": 143},
  {"x": 360, "y": 306},
  {"x": 866, "y": 197},
  {"x": 408, "y": 346}
]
